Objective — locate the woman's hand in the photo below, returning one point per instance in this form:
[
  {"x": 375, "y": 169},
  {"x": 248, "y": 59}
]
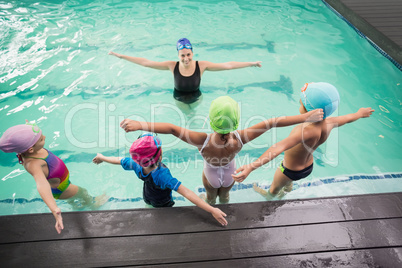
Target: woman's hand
[
  {"x": 245, "y": 171},
  {"x": 114, "y": 54},
  {"x": 256, "y": 64}
]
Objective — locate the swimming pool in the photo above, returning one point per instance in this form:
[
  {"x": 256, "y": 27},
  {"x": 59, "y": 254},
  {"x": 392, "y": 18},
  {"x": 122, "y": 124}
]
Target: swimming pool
[{"x": 54, "y": 69}]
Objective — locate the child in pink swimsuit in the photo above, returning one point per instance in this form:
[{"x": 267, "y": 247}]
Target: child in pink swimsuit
[
  {"x": 219, "y": 148},
  {"x": 50, "y": 173}
]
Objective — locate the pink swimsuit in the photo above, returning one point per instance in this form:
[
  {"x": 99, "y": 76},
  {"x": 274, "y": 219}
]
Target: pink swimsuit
[{"x": 219, "y": 176}]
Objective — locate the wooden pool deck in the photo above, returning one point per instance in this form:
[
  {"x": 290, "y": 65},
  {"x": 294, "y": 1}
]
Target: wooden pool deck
[
  {"x": 351, "y": 231},
  {"x": 380, "y": 21}
]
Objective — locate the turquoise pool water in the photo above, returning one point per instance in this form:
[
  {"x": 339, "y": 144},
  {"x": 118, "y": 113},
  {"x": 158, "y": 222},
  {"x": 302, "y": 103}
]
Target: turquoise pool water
[{"x": 54, "y": 70}]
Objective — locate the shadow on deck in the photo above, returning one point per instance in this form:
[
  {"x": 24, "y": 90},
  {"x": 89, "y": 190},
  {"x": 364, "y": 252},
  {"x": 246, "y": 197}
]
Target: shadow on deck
[{"x": 352, "y": 231}]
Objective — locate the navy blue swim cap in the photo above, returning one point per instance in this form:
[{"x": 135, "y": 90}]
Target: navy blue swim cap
[{"x": 183, "y": 43}]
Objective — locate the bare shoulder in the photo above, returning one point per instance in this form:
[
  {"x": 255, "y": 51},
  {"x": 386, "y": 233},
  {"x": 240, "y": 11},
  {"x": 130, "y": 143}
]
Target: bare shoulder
[
  {"x": 32, "y": 165},
  {"x": 170, "y": 64},
  {"x": 311, "y": 130},
  {"x": 204, "y": 64}
]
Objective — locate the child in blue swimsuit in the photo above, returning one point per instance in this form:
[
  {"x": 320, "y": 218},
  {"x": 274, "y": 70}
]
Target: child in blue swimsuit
[{"x": 145, "y": 161}]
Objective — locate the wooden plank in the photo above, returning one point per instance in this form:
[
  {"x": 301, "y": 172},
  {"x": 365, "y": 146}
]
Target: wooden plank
[
  {"x": 373, "y": 14},
  {"x": 37, "y": 227},
  {"x": 350, "y": 11},
  {"x": 205, "y": 246},
  {"x": 371, "y": 2},
  {"x": 384, "y": 6},
  {"x": 382, "y": 257}
]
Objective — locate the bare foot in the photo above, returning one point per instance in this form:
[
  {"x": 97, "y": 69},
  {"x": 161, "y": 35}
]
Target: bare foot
[
  {"x": 268, "y": 196},
  {"x": 204, "y": 197},
  {"x": 259, "y": 189},
  {"x": 100, "y": 201}
]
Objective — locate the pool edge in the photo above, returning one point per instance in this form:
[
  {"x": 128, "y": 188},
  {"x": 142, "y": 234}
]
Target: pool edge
[{"x": 375, "y": 37}]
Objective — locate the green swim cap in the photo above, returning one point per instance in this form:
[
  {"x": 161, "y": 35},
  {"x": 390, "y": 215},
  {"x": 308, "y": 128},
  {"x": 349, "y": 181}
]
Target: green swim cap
[{"x": 224, "y": 115}]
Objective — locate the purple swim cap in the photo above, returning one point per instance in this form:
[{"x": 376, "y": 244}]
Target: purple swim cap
[
  {"x": 20, "y": 138},
  {"x": 183, "y": 43}
]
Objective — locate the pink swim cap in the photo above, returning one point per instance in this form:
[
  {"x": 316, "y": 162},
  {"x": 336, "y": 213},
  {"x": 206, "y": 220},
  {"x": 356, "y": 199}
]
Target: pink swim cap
[
  {"x": 20, "y": 138},
  {"x": 146, "y": 150}
]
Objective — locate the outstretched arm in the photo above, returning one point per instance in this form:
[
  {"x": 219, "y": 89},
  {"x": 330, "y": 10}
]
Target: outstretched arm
[
  {"x": 43, "y": 187},
  {"x": 216, "y": 212},
  {"x": 164, "y": 65},
  {"x": 292, "y": 140},
  {"x": 99, "y": 158},
  {"x": 210, "y": 66},
  {"x": 191, "y": 137},
  {"x": 255, "y": 131},
  {"x": 349, "y": 118}
]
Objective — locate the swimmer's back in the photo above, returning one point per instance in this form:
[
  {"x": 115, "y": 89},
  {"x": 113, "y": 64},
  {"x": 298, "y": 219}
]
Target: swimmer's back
[
  {"x": 217, "y": 152},
  {"x": 301, "y": 155}
]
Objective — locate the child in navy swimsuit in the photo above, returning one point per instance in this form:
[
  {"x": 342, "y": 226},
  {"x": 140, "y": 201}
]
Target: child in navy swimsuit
[{"x": 303, "y": 140}]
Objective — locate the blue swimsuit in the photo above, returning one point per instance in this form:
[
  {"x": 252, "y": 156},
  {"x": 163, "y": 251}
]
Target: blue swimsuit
[{"x": 158, "y": 184}]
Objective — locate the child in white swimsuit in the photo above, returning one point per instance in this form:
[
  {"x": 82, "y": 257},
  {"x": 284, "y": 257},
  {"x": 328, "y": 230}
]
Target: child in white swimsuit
[
  {"x": 219, "y": 149},
  {"x": 220, "y": 176}
]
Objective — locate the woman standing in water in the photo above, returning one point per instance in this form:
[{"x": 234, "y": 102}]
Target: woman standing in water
[{"x": 187, "y": 73}]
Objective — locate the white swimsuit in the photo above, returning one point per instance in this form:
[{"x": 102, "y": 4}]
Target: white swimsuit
[{"x": 219, "y": 176}]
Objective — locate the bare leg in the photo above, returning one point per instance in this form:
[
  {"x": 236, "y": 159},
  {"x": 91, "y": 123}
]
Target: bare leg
[
  {"x": 280, "y": 180},
  {"x": 223, "y": 193},
  {"x": 71, "y": 191},
  {"x": 262, "y": 192},
  {"x": 184, "y": 108},
  {"x": 188, "y": 108},
  {"x": 211, "y": 191},
  {"x": 288, "y": 187},
  {"x": 83, "y": 197}
]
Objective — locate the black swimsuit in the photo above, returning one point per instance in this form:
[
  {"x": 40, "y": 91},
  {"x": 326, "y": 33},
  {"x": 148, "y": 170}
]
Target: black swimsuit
[
  {"x": 187, "y": 88},
  {"x": 296, "y": 175}
]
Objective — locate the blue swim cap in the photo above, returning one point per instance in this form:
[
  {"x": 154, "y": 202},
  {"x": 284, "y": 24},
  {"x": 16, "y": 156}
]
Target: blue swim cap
[
  {"x": 320, "y": 95},
  {"x": 183, "y": 43}
]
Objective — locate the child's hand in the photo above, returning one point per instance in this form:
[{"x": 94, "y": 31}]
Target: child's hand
[
  {"x": 98, "y": 159},
  {"x": 245, "y": 171},
  {"x": 256, "y": 64},
  {"x": 315, "y": 115},
  {"x": 365, "y": 112},
  {"x": 219, "y": 216},
  {"x": 59, "y": 220},
  {"x": 130, "y": 125}
]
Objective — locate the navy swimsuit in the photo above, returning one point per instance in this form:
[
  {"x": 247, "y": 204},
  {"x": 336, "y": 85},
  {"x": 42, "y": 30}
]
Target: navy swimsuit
[
  {"x": 187, "y": 88},
  {"x": 296, "y": 175}
]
